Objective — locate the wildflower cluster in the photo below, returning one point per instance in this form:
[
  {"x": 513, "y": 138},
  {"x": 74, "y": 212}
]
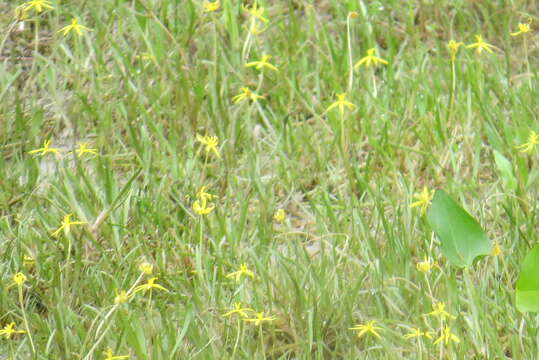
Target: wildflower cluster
[
  {"x": 46, "y": 149},
  {"x": 246, "y": 314},
  {"x": 436, "y": 325},
  {"x": 249, "y": 315},
  {"x": 37, "y": 7}
]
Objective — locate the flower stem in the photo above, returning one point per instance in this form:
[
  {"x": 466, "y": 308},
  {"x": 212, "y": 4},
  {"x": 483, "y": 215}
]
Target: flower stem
[
  {"x": 374, "y": 89},
  {"x": 453, "y": 90},
  {"x": 350, "y": 61},
  {"x": 21, "y": 301},
  {"x": 527, "y": 62}
]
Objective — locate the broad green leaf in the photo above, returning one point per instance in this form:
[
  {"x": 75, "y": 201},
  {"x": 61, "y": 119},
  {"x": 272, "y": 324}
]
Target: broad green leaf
[
  {"x": 506, "y": 171},
  {"x": 462, "y": 238},
  {"x": 528, "y": 283}
]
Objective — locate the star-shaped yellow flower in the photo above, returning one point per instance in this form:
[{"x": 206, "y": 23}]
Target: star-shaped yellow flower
[
  {"x": 9, "y": 330},
  {"x": 479, "y": 45},
  {"x": 246, "y": 93},
  {"x": 121, "y": 297},
  {"x": 447, "y": 336},
  {"x": 211, "y": 143},
  {"x": 279, "y": 216},
  {"x": 74, "y": 26},
  {"x": 146, "y": 268},
  {"x": 439, "y": 311},
  {"x": 367, "y": 328},
  {"x": 423, "y": 199},
  {"x": 262, "y": 63},
  {"x": 45, "y": 149},
  {"x": 522, "y": 29},
  {"x": 453, "y": 47},
  {"x": 260, "y": 318},
  {"x": 243, "y": 271},
  {"x": 426, "y": 265},
  {"x": 84, "y": 149},
  {"x": 239, "y": 310},
  {"x": 37, "y": 5},
  {"x": 201, "y": 207},
  {"x": 19, "y": 279},
  {"x": 370, "y": 60},
  {"x": 150, "y": 284},
  {"x": 341, "y": 103},
  {"x": 66, "y": 225}
]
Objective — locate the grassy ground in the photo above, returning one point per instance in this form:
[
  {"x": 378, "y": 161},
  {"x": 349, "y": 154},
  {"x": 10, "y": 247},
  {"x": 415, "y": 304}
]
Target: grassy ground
[{"x": 151, "y": 75}]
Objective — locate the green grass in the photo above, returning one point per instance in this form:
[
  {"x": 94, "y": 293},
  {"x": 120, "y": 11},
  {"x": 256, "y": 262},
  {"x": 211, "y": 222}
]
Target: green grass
[{"x": 347, "y": 251}]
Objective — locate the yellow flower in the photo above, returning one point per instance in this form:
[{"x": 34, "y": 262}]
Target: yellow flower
[
  {"x": 211, "y": 143},
  {"x": 496, "y": 249},
  {"x": 239, "y": 310},
  {"x": 84, "y": 149},
  {"x": 255, "y": 12},
  {"x": 279, "y": 216},
  {"x": 418, "y": 333},
  {"x": 453, "y": 47},
  {"x": 146, "y": 268},
  {"x": 200, "y": 207},
  {"x": 259, "y": 319},
  {"x": 121, "y": 297},
  {"x": 109, "y": 356},
  {"x": 74, "y": 26},
  {"x": 211, "y": 6},
  {"x": 9, "y": 330},
  {"x": 480, "y": 45},
  {"x": 37, "y": 5},
  {"x": 149, "y": 286},
  {"x": 203, "y": 195},
  {"x": 45, "y": 149},
  {"x": 260, "y": 64},
  {"x": 423, "y": 199},
  {"x": 522, "y": 29},
  {"x": 447, "y": 336},
  {"x": 19, "y": 279},
  {"x": 533, "y": 140},
  {"x": 426, "y": 265},
  {"x": 368, "y": 327},
  {"x": 370, "y": 60},
  {"x": 66, "y": 225},
  {"x": 246, "y": 93},
  {"x": 439, "y": 311},
  {"x": 242, "y": 271},
  {"x": 341, "y": 103}
]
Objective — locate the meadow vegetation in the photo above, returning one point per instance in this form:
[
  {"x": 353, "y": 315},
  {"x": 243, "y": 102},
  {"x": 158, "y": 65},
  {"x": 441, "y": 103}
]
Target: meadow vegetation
[{"x": 251, "y": 180}]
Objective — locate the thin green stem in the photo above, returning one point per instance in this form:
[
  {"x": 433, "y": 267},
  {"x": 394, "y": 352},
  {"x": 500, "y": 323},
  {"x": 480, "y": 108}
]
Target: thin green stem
[
  {"x": 453, "y": 90},
  {"x": 529, "y": 74},
  {"x": 25, "y": 319},
  {"x": 374, "y": 89},
  {"x": 350, "y": 61}
]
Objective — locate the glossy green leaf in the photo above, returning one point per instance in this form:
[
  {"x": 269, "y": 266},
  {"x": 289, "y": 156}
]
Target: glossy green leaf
[
  {"x": 528, "y": 283},
  {"x": 462, "y": 238}
]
